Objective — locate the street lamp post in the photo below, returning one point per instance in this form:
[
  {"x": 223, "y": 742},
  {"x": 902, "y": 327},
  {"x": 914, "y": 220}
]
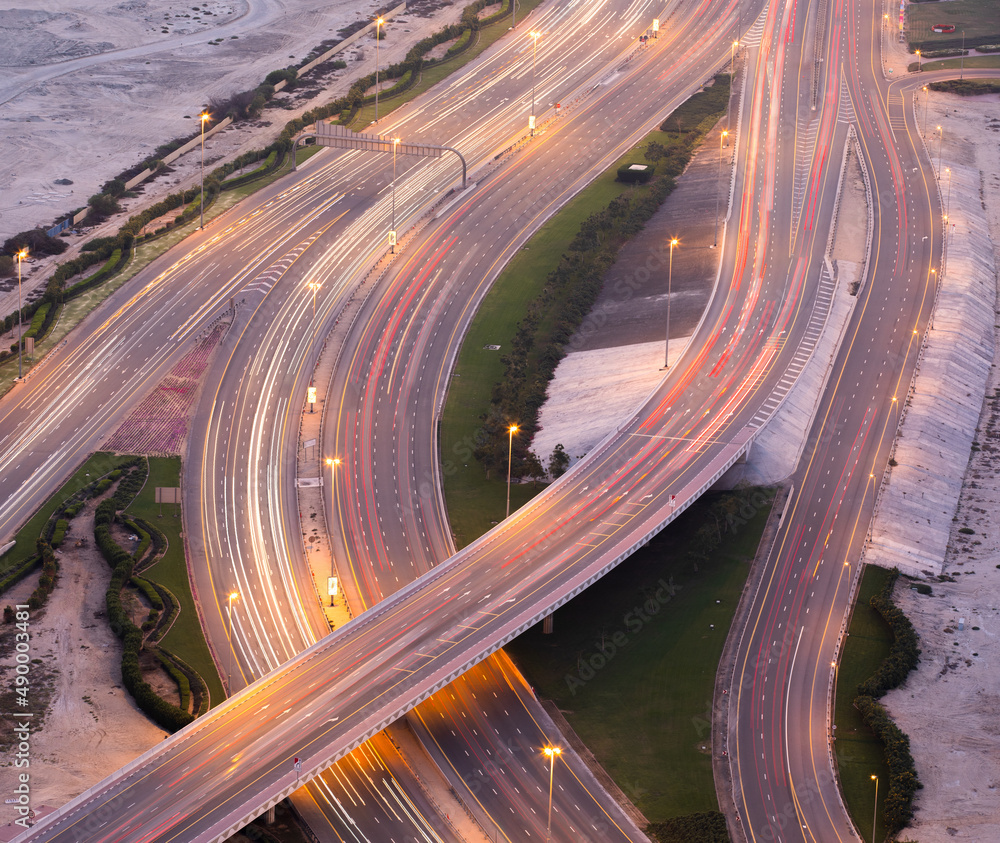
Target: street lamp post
[
  {"x": 534, "y": 46},
  {"x": 378, "y": 37},
  {"x": 718, "y": 185},
  {"x": 204, "y": 117},
  {"x": 961, "y": 70},
  {"x": 926, "y": 100},
  {"x": 940, "y": 132},
  {"x": 21, "y": 255},
  {"x": 334, "y": 463},
  {"x": 670, "y": 279},
  {"x": 510, "y": 453},
  {"x": 233, "y": 595},
  {"x": 392, "y": 232},
  {"x": 875, "y": 815},
  {"x": 918, "y": 61},
  {"x": 551, "y": 752}
]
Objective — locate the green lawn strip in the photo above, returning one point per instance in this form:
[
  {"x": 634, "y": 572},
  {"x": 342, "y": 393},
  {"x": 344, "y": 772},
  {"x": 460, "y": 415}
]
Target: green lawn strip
[
  {"x": 860, "y": 754},
  {"x": 475, "y": 503},
  {"x": 472, "y": 504},
  {"x": 971, "y": 62},
  {"x": 73, "y": 312},
  {"x": 185, "y": 639},
  {"x": 430, "y": 76},
  {"x": 646, "y": 713},
  {"x": 95, "y": 467},
  {"x": 977, "y": 18}
]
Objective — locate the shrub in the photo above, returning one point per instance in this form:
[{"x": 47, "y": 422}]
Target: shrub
[
  {"x": 903, "y": 657},
  {"x": 36, "y": 241},
  {"x": 62, "y": 525},
  {"x": 703, "y": 827},
  {"x": 635, "y": 173},
  {"x": 102, "y": 206},
  {"x": 904, "y": 654}
]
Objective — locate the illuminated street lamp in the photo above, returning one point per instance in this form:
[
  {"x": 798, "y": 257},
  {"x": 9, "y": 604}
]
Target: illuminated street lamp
[
  {"x": 534, "y": 46},
  {"x": 21, "y": 255},
  {"x": 233, "y": 595},
  {"x": 510, "y": 453},
  {"x": 392, "y": 231},
  {"x": 204, "y": 117},
  {"x": 918, "y": 61},
  {"x": 875, "y": 815},
  {"x": 378, "y": 37},
  {"x": 552, "y": 753},
  {"x": 670, "y": 277}
]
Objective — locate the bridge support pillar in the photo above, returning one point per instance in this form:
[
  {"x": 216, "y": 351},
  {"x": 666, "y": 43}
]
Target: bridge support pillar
[
  {"x": 270, "y": 815},
  {"x": 548, "y": 624}
]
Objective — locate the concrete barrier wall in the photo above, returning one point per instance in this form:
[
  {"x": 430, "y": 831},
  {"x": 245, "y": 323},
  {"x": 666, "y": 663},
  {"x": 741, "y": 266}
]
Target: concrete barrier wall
[
  {"x": 351, "y": 39},
  {"x": 222, "y": 124}
]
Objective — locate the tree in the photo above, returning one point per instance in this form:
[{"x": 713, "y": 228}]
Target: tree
[
  {"x": 103, "y": 205},
  {"x": 533, "y": 467},
  {"x": 558, "y": 462},
  {"x": 37, "y": 243}
]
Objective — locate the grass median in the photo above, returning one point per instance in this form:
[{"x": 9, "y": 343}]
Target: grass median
[
  {"x": 95, "y": 467},
  {"x": 185, "y": 639},
  {"x": 632, "y": 661},
  {"x": 860, "y": 754}
]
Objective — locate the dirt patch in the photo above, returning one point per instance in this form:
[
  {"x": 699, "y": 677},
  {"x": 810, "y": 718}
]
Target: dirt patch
[
  {"x": 85, "y": 725},
  {"x": 949, "y": 705}
]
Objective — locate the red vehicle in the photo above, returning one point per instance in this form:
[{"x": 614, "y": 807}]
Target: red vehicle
[{"x": 943, "y": 27}]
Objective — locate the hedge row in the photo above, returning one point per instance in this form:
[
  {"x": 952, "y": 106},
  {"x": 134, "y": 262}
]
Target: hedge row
[
  {"x": 47, "y": 581},
  {"x": 966, "y": 87},
  {"x": 179, "y": 676},
  {"x": 244, "y": 105},
  {"x": 572, "y": 288},
  {"x": 903, "y": 657},
  {"x": 158, "y": 540},
  {"x": 904, "y": 654},
  {"x": 20, "y": 573},
  {"x": 702, "y": 827},
  {"x": 122, "y": 564},
  {"x": 62, "y": 526},
  {"x": 147, "y": 588},
  {"x": 903, "y": 780},
  {"x": 145, "y": 539}
]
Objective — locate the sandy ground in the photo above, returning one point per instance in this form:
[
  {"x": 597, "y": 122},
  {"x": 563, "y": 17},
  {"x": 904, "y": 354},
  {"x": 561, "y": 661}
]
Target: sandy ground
[
  {"x": 949, "y": 706},
  {"x": 91, "y": 726},
  {"x": 88, "y": 90}
]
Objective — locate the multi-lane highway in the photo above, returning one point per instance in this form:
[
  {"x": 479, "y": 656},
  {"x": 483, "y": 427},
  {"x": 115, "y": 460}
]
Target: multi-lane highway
[
  {"x": 697, "y": 423},
  {"x": 616, "y": 500},
  {"x": 455, "y": 274},
  {"x": 779, "y": 733}
]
